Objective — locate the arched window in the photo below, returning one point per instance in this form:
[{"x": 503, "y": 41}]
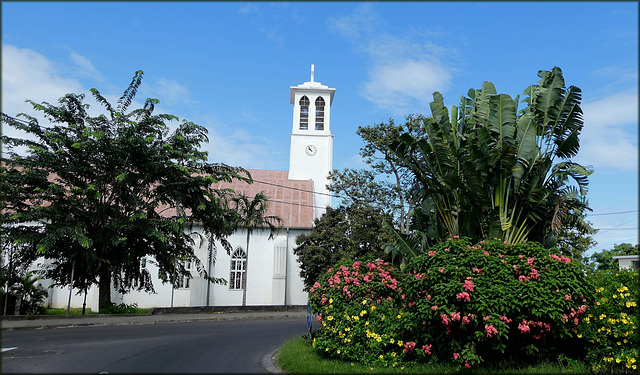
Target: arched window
[
  {"x": 304, "y": 113},
  {"x": 236, "y": 278},
  {"x": 319, "y": 113}
]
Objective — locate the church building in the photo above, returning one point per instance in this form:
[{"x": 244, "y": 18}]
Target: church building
[{"x": 297, "y": 196}]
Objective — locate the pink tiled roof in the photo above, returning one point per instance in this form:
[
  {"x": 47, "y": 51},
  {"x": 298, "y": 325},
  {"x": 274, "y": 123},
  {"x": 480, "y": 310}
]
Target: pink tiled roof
[{"x": 291, "y": 200}]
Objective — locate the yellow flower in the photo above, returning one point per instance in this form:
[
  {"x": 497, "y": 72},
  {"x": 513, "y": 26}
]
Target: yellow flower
[
  {"x": 363, "y": 312},
  {"x": 617, "y": 360},
  {"x": 399, "y": 316},
  {"x": 631, "y": 304},
  {"x": 330, "y": 317},
  {"x": 392, "y": 341},
  {"x": 381, "y": 356},
  {"x": 579, "y": 335},
  {"x": 400, "y": 343},
  {"x": 338, "y": 351}
]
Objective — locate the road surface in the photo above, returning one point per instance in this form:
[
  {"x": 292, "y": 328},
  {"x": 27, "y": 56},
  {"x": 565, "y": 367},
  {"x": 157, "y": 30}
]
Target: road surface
[{"x": 231, "y": 346}]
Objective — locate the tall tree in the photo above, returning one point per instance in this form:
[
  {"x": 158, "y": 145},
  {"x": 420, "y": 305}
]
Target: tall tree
[
  {"x": 386, "y": 182},
  {"x": 488, "y": 171},
  {"x": 96, "y": 194},
  {"x": 252, "y": 215}
]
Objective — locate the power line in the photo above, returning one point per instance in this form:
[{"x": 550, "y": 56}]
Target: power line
[{"x": 613, "y": 213}]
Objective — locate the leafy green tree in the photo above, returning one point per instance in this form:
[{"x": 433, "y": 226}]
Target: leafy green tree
[
  {"x": 347, "y": 232},
  {"x": 96, "y": 194},
  {"x": 252, "y": 216},
  {"x": 603, "y": 260},
  {"x": 385, "y": 183},
  {"x": 486, "y": 170}
]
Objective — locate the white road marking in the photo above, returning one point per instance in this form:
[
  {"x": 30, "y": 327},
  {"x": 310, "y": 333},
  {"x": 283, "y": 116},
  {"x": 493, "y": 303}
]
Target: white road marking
[{"x": 7, "y": 349}]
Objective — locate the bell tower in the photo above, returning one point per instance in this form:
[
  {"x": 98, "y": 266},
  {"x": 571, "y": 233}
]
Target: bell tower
[{"x": 311, "y": 153}]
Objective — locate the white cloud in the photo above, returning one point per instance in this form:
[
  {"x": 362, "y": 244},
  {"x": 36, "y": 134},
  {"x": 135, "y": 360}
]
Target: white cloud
[
  {"x": 406, "y": 85},
  {"x": 167, "y": 91},
  {"x": 84, "y": 67},
  {"x": 609, "y": 136},
  {"x": 360, "y": 23},
  {"x": 403, "y": 70},
  {"x": 27, "y": 74}
]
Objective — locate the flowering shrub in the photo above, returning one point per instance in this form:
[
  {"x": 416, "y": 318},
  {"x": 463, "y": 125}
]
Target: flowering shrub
[
  {"x": 361, "y": 309},
  {"x": 495, "y": 299},
  {"x": 610, "y": 327},
  {"x": 457, "y": 303}
]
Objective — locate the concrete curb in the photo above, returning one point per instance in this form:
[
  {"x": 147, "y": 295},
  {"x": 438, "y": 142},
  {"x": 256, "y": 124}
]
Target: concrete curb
[
  {"x": 11, "y": 325},
  {"x": 270, "y": 362}
]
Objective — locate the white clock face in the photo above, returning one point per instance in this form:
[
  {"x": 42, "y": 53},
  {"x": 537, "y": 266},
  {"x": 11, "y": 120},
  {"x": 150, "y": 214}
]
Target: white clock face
[{"x": 310, "y": 150}]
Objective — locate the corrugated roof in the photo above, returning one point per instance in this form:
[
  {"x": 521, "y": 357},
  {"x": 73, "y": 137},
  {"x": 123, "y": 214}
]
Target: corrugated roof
[{"x": 291, "y": 200}]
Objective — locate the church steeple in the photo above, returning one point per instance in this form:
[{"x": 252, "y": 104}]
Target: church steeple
[{"x": 311, "y": 154}]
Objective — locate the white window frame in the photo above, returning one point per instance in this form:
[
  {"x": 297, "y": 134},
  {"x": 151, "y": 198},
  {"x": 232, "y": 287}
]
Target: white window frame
[
  {"x": 237, "y": 269},
  {"x": 185, "y": 282}
]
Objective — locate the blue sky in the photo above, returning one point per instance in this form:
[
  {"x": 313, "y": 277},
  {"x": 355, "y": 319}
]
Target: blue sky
[{"x": 229, "y": 65}]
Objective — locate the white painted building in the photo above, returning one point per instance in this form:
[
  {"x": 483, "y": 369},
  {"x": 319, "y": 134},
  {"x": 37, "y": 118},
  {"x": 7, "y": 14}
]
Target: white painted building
[
  {"x": 631, "y": 262},
  {"x": 297, "y": 196}
]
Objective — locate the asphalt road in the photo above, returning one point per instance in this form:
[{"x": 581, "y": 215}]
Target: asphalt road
[{"x": 233, "y": 346}]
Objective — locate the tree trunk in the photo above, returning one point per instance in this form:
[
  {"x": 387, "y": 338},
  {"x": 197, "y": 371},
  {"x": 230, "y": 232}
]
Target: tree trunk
[
  {"x": 104, "y": 287},
  {"x": 246, "y": 269}
]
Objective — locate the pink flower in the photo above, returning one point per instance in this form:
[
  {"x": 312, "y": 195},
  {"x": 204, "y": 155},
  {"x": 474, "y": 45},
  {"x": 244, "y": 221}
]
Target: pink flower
[
  {"x": 319, "y": 318},
  {"x": 409, "y": 346},
  {"x": 323, "y": 300},
  {"x": 567, "y": 297},
  {"x": 466, "y": 364},
  {"x": 434, "y": 307},
  {"x": 455, "y": 316},
  {"x": 427, "y": 349},
  {"x": 486, "y": 253},
  {"x": 523, "y": 278},
  {"x": 445, "y": 319},
  {"x": 431, "y": 253},
  {"x": 464, "y": 296},
  {"x": 367, "y": 279},
  {"x": 456, "y": 355},
  {"x": 524, "y": 327},
  {"x": 534, "y": 274},
  {"x": 476, "y": 270},
  {"x": 468, "y": 284},
  {"x": 441, "y": 270},
  {"x": 505, "y": 319},
  {"x": 465, "y": 320},
  {"x": 490, "y": 329},
  {"x": 356, "y": 265}
]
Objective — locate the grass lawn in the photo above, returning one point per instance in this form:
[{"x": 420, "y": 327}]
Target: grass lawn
[{"x": 298, "y": 357}]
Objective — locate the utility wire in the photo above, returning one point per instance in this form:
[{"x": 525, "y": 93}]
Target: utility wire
[{"x": 613, "y": 213}]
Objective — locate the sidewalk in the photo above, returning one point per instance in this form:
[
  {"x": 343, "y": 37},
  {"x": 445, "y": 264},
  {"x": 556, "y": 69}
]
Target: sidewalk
[{"x": 63, "y": 321}]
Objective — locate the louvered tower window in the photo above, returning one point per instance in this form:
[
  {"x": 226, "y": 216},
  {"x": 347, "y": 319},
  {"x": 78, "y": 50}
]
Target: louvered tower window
[
  {"x": 319, "y": 113},
  {"x": 304, "y": 113}
]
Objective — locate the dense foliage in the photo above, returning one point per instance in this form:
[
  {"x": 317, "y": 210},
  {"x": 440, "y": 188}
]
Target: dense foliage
[
  {"x": 610, "y": 328},
  {"x": 488, "y": 170},
  {"x": 346, "y": 232},
  {"x": 458, "y": 303},
  {"x": 385, "y": 182},
  {"x": 96, "y": 194}
]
